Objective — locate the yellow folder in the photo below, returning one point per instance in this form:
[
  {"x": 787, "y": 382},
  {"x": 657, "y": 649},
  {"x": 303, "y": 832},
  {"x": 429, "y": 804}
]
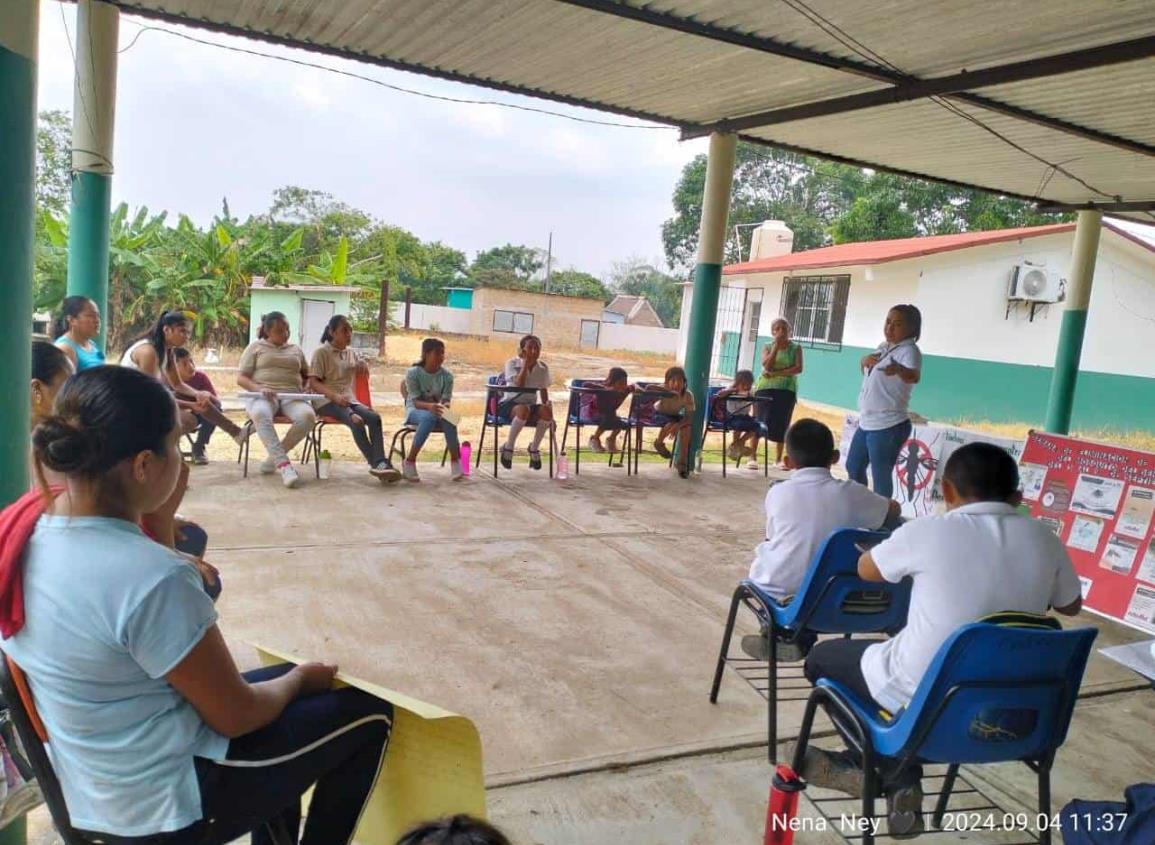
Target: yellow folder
[{"x": 432, "y": 768}]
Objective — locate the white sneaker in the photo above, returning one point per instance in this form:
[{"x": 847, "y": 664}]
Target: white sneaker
[
  {"x": 384, "y": 471},
  {"x": 596, "y": 446},
  {"x": 268, "y": 466},
  {"x": 409, "y": 470},
  {"x": 289, "y": 476},
  {"x": 753, "y": 464},
  {"x": 456, "y": 473}
]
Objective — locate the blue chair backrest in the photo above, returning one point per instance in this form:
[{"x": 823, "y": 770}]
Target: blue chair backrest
[
  {"x": 642, "y": 404},
  {"x": 833, "y": 599},
  {"x": 717, "y": 407},
  {"x": 583, "y": 407},
  {"x": 995, "y": 692},
  {"x": 494, "y": 399}
]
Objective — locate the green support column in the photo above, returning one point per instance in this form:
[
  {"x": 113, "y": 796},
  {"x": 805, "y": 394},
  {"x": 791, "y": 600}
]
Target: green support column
[
  {"x": 708, "y": 276},
  {"x": 1070, "y": 347},
  {"x": 18, "y": 42},
  {"x": 93, "y": 118}
]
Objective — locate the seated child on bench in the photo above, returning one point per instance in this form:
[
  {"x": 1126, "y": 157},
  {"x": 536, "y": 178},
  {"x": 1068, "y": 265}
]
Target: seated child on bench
[
  {"x": 979, "y": 558},
  {"x": 801, "y": 513}
]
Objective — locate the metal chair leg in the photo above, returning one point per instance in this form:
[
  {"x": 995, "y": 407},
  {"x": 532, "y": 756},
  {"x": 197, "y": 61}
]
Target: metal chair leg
[
  {"x": 729, "y": 632},
  {"x": 1045, "y": 799},
  {"x": 481, "y": 443},
  {"x": 724, "y": 461},
  {"x": 772, "y": 694},
  {"x": 944, "y": 795}
]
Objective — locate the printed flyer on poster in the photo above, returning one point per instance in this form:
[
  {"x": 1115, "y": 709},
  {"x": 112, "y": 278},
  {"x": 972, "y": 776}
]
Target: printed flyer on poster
[{"x": 1099, "y": 500}]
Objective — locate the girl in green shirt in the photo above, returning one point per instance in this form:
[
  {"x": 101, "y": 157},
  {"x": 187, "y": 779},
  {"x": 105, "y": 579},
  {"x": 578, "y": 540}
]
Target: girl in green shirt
[{"x": 781, "y": 366}]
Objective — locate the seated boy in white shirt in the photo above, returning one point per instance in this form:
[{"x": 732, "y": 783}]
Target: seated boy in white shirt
[
  {"x": 979, "y": 558},
  {"x": 801, "y": 513}
]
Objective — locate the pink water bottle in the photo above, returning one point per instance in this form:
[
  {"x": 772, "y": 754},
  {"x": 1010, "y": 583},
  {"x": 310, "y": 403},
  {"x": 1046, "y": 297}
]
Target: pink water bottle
[
  {"x": 562, "y": 467},
  {"x": 466, "y": 453}
]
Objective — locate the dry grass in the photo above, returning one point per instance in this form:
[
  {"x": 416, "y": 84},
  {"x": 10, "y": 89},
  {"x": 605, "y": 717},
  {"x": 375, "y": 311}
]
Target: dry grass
[{"x": 1143, "y": 441}]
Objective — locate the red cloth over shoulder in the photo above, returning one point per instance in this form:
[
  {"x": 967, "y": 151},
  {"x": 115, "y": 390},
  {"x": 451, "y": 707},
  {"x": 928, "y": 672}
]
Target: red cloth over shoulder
[{"x": 17, "y": 522}]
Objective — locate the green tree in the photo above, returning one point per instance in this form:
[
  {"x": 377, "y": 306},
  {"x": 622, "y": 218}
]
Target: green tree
[
  {"x": 577, "y": 283},
  {"x": 635, "y": 277},
  {"x": 54, "y": 162},
  {"x": 519, "y": 262}
]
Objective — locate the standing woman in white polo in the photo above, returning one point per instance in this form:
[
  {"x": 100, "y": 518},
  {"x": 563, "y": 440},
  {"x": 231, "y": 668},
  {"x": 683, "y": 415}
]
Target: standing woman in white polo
[{"x": 890, "y": 373}]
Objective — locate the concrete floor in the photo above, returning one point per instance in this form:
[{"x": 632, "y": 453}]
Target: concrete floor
[{"x": 577, "y": 624}]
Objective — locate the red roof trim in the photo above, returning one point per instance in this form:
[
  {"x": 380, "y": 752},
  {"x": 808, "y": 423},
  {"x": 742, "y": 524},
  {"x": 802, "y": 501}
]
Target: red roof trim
[{"x": 880, "y": 252}]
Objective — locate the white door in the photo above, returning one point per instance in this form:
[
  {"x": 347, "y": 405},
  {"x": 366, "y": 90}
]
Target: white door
[
  {"x": 590, "y": 331},
  {"x": 315, "y": 315},
  {"x": 752, "y": 320}
]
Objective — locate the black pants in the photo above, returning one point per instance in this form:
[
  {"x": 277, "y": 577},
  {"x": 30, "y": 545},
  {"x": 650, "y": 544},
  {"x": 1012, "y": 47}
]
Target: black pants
[
  {"x": 841, "y": 660},
  {"x": 369, "y": 437},
  {"x": 205, "y": 432},
  {"x": 335, "y": 740}
]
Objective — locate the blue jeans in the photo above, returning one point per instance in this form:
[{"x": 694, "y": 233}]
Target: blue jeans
[
  {"x": 427, "y": 422},
  {"x": 878, "y": 450}
]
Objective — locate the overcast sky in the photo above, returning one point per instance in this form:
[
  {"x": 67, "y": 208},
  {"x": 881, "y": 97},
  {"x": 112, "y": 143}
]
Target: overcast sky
[{"x": 196, "y": 123}]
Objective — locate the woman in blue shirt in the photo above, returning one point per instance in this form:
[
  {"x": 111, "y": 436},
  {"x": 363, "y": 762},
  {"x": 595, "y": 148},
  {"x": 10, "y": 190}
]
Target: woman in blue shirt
[
  {"x": 77, "y": 328},
  {"x": 152, "y": 728}
]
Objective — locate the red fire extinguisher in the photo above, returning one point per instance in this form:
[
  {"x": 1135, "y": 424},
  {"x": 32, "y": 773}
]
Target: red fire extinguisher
[{"x": 782, "y": 806}]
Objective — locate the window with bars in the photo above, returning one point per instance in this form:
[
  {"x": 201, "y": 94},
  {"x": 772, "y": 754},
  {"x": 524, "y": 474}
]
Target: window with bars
[{"x": 816, "y": 308}]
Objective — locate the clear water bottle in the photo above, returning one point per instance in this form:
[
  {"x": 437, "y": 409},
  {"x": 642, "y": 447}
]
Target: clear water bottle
[{"x": 562, "y": 467}]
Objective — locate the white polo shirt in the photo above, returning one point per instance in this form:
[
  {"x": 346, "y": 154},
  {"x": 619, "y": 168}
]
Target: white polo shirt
[
  {"x": 883, "y": 400},
  {"x": 967, "y": 563},
  {"x": 801, "y": 513}
]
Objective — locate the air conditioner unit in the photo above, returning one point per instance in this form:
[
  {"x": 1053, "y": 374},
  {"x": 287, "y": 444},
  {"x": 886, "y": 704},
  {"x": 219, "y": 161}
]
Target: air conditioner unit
[{"x": 1035, "y": 284}]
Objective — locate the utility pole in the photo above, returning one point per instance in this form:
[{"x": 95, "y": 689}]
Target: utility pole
[
  {"x": 548, "y": 261},
  {"x": 382, "y": 318}
]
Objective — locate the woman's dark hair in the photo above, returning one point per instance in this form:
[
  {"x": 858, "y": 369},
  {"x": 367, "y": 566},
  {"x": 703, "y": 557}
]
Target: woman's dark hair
[
  {"x": 526, "y": 339},
  {"x": 268, "y": 321},
  {"x": 101, "y": 417},
  {"x": 427, "y": 346},
  {"x": 617, "y": 374},
  {"x": 457, "y": 830},
  {"x": 155, "y": 335},
  {"x": 48, "y": 362},
  {"x": 335, "y": 322},
  {"x": 912, "y": 317},
  {"x": 69, "y": 308}
]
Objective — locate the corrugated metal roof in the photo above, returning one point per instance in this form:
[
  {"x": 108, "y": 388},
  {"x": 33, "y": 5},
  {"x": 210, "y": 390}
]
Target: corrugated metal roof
[
  {"x": 862, "y": 253},
  {"x": 692, "y": 63}
]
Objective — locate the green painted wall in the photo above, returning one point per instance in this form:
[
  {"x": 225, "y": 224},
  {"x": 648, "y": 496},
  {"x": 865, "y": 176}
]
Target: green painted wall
[
  {"x": 728, "y": 357},
  {"x": 288, "y": 302},
  {"x": 964, "y": 389},
  {"x": 459, "y": 299}
]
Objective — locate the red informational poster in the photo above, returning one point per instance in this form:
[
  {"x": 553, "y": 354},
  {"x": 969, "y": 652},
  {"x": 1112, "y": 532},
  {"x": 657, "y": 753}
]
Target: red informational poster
[{"x": 1099, "y": 500}]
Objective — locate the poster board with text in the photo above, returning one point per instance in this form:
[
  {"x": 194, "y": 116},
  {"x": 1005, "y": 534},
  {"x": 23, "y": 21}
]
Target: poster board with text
[{"x": 1099, "y": 500}]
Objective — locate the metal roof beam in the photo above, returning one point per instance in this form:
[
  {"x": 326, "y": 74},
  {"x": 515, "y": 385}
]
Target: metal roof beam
[
  {"x": 749, "y": 41},
  {"x": 1106, "y": 207},
  {"x": 1110, "y": 54}
]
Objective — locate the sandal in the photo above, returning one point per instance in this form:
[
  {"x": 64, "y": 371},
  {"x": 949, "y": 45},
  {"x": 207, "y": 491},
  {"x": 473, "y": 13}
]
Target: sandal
[
  {"x": 507, "y": 457},
  {"x": 534, "y": 460}
]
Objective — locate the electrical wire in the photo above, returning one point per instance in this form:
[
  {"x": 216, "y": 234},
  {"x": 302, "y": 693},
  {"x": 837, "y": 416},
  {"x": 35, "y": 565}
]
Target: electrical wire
[
  {"x": 854, "y": 45},
  {"x": 398, "y": 88},
  {"x": 80, "y": 92}
]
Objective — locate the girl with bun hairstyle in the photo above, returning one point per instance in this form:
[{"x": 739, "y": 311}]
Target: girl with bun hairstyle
[{"x": 152, "y": 728}]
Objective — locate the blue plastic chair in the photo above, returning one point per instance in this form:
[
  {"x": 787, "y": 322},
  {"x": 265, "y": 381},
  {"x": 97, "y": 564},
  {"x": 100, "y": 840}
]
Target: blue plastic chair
[
  {"x": 832, "y": 599},
  {"x": 994, "y": 693},
  {"x": 720, "y": 420},
  {"x": 643, "y": 414},
  {"x": 583, "y": 411},
  {"x": 495, "y": 389}
]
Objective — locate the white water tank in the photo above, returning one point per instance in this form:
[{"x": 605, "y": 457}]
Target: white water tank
[{"x": 771, "y": 239}]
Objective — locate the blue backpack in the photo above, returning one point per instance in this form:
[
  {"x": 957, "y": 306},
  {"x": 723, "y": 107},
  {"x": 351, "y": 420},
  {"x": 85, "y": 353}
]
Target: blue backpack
[{"x": 1111, "y": 822}]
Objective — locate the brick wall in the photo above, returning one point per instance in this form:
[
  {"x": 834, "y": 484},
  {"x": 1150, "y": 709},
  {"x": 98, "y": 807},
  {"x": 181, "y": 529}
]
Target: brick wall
[{"x": 556, "y": 319}]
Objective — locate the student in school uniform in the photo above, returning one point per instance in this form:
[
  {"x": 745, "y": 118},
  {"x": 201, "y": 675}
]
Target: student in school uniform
[
  {"x": 801, "y": 512},
  {"x": 533, "y": 407},
  {"x": 981, "y": 557},
  {"x": 890, "y": 373}
]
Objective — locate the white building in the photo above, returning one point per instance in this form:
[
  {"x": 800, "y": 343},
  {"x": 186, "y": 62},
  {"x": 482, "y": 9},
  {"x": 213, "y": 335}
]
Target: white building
[{"x": 991, "y": 306}]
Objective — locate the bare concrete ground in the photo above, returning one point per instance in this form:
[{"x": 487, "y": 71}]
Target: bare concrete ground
[{"x": 577, "y": 624}]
